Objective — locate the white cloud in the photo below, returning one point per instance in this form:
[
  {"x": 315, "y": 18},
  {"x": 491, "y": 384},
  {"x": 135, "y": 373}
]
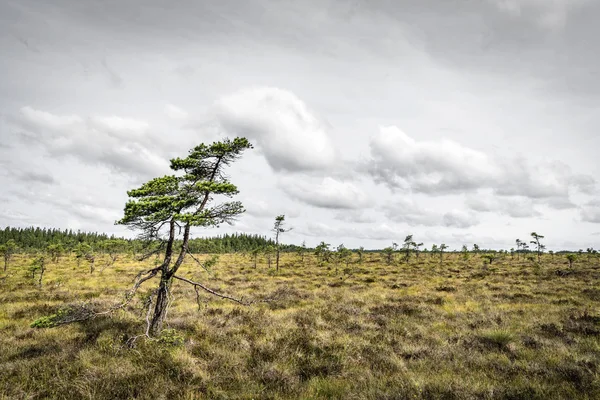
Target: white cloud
[
  {"x": 329, "y": 193},
  {"x": 289, "y": 134},
  {"x": 440, "y": 167},
  {"x": 428, "y": 166},
  {"x": 122, "y": 144}
]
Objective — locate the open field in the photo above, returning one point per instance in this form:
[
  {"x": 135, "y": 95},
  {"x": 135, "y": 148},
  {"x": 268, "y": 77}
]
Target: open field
[{"x": 461, "y": 330}]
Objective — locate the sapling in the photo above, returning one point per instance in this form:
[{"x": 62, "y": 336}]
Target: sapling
[
  {"x": 442, "y": 248},
  {"x": 490, "y": 257},
  {"x": 279, "y": 229},
  {"x": 465, "y": 253},
  {"x": 80, "y": 250},
  {"x": 434, "y": 250},
  {"x": 343, "y": 254},
  {"x": 302, "y": 251},
  {"x": 112, "y": 248},
  {"x": 7, "y": 250},
  {"x": 55, "y": 250},
  {"x": 268, "y": 250},
  {"x": 360, "y": 251},
  {"x": 322, "y": 251},
  {"x": 254, "y": 254},
  {"x": 388, "y": 252},
  {"x": 417, "y": 249},
  {"x": 38, "y": 266},
  {"x": 590, "y": 252},
  {"x": 407, "y": 246},
  {"x": 539, "y": 246},
  {"x": 571, "y": 258},
  {"x": 520, "y": 245}
]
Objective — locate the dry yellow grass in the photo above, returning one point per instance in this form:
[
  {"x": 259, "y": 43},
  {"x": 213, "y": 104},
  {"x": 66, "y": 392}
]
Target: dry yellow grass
[{"x": 462, "y": 330}]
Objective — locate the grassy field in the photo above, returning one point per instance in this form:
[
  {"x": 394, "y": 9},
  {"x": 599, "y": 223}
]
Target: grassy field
[{"x": 461, "y": 330}]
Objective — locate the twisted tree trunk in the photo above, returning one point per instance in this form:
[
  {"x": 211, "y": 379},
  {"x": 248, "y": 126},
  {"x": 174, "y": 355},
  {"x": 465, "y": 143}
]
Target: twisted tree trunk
[
  {"x": 160, "y": 307},
  {"x": 166, "y": 278}
]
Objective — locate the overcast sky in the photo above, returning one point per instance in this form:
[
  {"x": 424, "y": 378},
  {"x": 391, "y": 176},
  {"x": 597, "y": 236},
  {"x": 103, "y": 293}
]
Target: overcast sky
[{"x": 459, "y": 122}]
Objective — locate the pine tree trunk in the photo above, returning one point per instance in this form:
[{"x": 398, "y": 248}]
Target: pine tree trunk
[
  {"x": 277, "y": 244},
  {"x": 160, "y": 308},
  {"x": 166, "y": 277},
  {"x": 42, "y": 270}
]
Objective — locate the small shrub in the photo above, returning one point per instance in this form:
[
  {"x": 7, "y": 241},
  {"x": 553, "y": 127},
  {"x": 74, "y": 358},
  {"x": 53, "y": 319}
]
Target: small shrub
[
  {"x": 499, "y": 339},
  {"x": 171, "y": 338},
  {"x": 67, "y": 314},
  {"x": 47, "y": 321},
  {"x": 444, "y": 288}
]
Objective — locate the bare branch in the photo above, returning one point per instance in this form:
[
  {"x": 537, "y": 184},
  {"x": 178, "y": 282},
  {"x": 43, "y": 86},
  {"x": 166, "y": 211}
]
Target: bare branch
[
  {"x": 223, "y": 296},
  {"x": 161, "y": 245},
  {"x": 198, "y": 298},
  {"x": 148, "y": 316},
  {"x": 131, "y": 292},
  {"x": 200, "y": 264}
]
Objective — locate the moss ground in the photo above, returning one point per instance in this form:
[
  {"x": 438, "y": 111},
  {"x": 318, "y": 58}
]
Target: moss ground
[{"x": 457, "y": 330}]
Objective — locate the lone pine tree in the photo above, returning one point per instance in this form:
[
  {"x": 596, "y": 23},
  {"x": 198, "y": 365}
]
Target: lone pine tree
[
  {"x": 279, "y": 229},
  {"x": 163, "y": 207}
]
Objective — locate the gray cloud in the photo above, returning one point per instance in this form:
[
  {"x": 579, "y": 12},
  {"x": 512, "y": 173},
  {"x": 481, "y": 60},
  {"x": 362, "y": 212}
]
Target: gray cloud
[
  {"x": 459, "y": 219},
  {"x": 590, "y": 212},
  {"x": 36, "y": 177},
  {"x": 515, "y": 207},
  {"x": 114, "y": 78},
  {"x": 355, "y": 217},
  {"x": 265, "y": 209},
  {"x": 404, "y": 210},
  {"x": 374, "y": 232}
]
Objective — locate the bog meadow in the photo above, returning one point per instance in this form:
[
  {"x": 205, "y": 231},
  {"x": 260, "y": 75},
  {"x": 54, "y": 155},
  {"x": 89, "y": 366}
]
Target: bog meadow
[{"x": 166, "y": 316}]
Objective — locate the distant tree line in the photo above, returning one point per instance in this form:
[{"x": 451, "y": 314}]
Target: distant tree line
[
  {"x": 235, "y": 243},
  {"x": 35, "y": 238},
  {"x": 40, "y": 238}
]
